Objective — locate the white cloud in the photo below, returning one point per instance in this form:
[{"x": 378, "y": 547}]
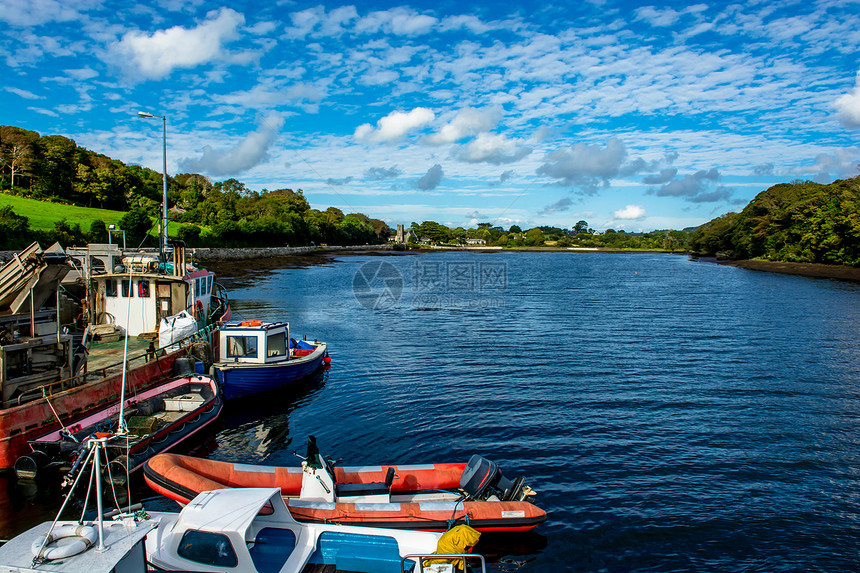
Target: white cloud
[
  {"x": 630, "y": 212},
  {"x": 492, "y": 148},
  {"x": 848, "y": 106},
  {"x": 655, "y": 17},
  {"x": 395, "y": 125},
  {"x": 157, "y": 55},
  {"x": 585, "y": 166},
  {"x": 397, "y": 21},
  {"x": 467, "y": 123},
  {"x": 82, "y": 74},
  {"x": 36, "y": 12},
  {"x": 22, "y": 93},
  {"x": 246, "y": 154}
]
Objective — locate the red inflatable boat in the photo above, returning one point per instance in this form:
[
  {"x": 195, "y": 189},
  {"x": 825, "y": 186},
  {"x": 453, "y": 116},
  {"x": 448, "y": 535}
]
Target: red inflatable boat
[{"x": 431, "y": 497}]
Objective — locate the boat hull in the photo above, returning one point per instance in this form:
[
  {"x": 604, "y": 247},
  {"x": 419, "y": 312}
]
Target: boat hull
[
  {"x": 128, "y": 453},
  {"x": 243, "y": 379},
  {"x": 181, "y": 478}
]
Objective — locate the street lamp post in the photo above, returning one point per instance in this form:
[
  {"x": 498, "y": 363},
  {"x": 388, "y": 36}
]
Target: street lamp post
[{"x": 163, "y": 241}]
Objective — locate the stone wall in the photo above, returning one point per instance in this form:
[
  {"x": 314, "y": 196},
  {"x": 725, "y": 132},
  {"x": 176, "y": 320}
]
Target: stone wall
[{"x": 203, "y": 254}]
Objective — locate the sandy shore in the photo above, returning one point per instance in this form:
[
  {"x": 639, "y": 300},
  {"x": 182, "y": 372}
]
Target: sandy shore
[{"x": 803, "y": 269}]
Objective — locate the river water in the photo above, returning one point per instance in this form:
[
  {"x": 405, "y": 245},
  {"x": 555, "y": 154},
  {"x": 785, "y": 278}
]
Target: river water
[{"x": 673, "y": 415}]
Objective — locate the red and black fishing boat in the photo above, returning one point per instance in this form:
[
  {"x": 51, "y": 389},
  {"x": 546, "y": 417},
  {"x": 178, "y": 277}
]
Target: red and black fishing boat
[{"x": 431, "y": 497}]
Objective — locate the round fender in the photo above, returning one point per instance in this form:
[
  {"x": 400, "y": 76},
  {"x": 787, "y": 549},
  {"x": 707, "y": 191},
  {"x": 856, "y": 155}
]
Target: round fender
[{"x": 84, "y": 538}]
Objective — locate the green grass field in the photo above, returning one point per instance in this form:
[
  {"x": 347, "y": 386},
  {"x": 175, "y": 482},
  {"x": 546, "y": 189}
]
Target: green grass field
[{"x": 43, "y": 215}]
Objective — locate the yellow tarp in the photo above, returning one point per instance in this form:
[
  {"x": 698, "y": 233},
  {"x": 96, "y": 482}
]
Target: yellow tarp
[{"x": 456, "y": 540}]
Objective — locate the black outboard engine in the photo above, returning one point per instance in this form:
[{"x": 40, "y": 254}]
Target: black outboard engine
[{"x": 483, "y": 479}]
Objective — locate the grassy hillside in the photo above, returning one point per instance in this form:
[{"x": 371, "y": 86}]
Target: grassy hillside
[{"x": 43, "y": 215}]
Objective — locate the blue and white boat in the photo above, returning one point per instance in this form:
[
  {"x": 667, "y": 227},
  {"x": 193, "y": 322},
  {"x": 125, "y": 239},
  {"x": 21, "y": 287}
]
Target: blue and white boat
[{"x": 255, "y": 356}]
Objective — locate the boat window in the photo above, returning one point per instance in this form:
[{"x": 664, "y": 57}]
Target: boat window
[
  {"x": 143, "y": 289},
  {"x": 277, "y": 344},
  {"x": 241, "y": 346},
  {"x": 209, "y": 287},
  {"x": 110, "y": 287},
  {"x": 207, "y": 548},
  {"x": 125, "y": 289}
]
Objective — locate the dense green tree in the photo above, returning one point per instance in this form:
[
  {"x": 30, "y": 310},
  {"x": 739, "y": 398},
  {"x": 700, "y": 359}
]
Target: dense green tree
[
  {"x": 18, "y": 149},
  {"x": 56, "y": 168},
  {"x": 98, "y": 232},
  {"x": 14, "y": 229},
  {"x": 534, "y": 237},
  {"x": 136, "y": 223}
]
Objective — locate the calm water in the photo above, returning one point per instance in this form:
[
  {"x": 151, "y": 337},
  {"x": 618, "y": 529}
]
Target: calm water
[{"x": 673, "y": 415}]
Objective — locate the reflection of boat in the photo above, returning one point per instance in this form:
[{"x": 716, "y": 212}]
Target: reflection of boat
[
  {"x": 155, "y": 420},
  {"x": 252, "y": 530},
  {"x": 257, "y": 430},
  {"x": 427, "y": 496},
  {"x": 256, "y": 356}
]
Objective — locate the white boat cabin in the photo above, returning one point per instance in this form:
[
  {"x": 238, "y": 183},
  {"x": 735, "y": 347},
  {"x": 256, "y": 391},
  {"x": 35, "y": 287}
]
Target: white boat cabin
[
  {"x": 254, "y": 342},
  {"x": 138, "y": 294}
]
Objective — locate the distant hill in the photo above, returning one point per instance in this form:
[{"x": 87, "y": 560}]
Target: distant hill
[{"x": 802, "y": 221}]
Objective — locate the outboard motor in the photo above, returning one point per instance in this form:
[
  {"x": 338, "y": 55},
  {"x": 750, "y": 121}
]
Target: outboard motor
[{"x": 482, "y": 479}]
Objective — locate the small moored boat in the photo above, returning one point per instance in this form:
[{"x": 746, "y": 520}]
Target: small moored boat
[
  {"x": 255, "y": 356},
  {"x": 251, "y": 529},
  {"x": 154, "y": 421},
  {"x": 430, "y": 497}
]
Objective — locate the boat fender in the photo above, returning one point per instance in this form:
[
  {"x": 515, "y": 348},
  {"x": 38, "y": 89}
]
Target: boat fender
[{"x": 85, "y": 535}]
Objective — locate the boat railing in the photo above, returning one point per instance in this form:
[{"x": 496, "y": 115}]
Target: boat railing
[
  {"x": 47, "y": 390},
  {"x": 473, "y": 557}
]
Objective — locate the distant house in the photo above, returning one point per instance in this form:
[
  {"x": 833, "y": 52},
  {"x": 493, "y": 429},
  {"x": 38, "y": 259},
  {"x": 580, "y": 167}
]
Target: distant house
[{"x": 476, "y": 241}]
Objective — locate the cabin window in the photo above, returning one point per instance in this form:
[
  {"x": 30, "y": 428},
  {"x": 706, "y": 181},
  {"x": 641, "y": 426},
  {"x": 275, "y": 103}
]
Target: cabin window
[
  {"x": 143, "y": 289},
  {"x": 209, "y": 284},
  {"x": 207, "y": 548},
  {"x": 125, "y": 289},
  {"x": 110, "y": 287},
  {"x": 241, "y": 346},
  {"x": 277, "y": 344}
]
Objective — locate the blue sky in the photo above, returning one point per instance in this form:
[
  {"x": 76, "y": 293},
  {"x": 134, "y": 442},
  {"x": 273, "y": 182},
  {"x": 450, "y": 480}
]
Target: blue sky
[{"x": 634, "y": 116}]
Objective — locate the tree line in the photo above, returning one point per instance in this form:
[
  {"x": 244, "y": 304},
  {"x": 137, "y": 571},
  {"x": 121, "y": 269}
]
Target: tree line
[{"x": 580, "y": 235}]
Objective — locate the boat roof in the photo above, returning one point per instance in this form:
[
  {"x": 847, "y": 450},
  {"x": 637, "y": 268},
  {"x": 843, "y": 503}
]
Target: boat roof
[
  {"x": 253, "y": 325},
  {"x": 16, "y": 555},
  {"x": 231, "y": 509}
]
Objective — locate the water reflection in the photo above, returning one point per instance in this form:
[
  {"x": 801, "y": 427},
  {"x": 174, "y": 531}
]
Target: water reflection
[{"x": 257, "y": 428}]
